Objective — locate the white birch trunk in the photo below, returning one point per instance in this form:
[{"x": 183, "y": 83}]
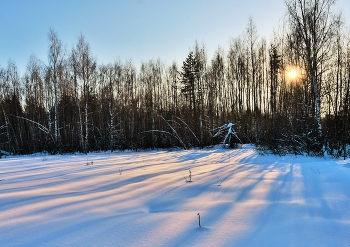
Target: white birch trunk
[
  {"x": 111, "y": 127},
  {"x": 317, "y": 107},
  {"x": 86, "y": 128}
]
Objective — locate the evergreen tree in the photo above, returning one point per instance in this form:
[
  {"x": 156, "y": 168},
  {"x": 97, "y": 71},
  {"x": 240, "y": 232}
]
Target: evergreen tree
[{"x": 189, "y": 76}]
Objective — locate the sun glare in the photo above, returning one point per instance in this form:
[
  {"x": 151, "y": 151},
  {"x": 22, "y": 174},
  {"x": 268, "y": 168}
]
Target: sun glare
[{"x": 293, "y": 74}]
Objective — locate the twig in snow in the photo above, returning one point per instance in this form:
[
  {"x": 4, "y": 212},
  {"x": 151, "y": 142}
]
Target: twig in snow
[
  {"x": 89, "y": 162},
  {"x": 314, "y": 170},
  {"x": 183, "y": 176},
  {"x": 199, "y": 220},
  {"x": 44, "y": 158},
  {"x": 226, "y": 178},
  {"x": 222, "y": 182}
]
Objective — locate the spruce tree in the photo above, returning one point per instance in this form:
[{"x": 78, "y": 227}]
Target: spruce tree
[{"x": 188, "y": 79}]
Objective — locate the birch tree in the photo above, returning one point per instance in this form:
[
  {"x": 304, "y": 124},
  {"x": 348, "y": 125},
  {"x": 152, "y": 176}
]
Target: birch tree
[
  {"x": 56, "y": 56},
  {"x": 313, "y": 23},
  {"x": 84, "y": 67}
]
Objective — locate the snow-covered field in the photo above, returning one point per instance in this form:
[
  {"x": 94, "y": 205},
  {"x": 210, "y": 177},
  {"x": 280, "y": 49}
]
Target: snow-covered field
[{"x": 146, "y": 199}]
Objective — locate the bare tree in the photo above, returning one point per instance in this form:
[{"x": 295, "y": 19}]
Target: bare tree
[
  {"x": 84, "y": 68},
  {"x": 312, "y": 22},
  {"x": 56, "y": 56}
]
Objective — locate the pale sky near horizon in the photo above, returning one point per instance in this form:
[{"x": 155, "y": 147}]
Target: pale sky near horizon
[{"x": 139, "y": 30}]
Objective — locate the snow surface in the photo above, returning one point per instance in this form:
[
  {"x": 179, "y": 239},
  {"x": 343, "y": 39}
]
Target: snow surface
[{"x": 146, "y": 199}]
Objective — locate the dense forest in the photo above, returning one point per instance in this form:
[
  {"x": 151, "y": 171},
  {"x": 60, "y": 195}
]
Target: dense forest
[{"x": 290, "y": 95}]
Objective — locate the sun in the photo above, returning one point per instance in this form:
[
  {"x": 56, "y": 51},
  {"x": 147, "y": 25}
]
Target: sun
[{"x": 292, "y": 74}]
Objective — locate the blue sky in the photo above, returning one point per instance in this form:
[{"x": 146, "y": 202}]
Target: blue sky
[{"x": 133, "y": 29}]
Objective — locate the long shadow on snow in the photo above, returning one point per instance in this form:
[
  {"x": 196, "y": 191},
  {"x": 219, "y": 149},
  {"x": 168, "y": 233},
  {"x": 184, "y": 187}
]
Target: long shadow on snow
[
  {"x": 75, "y": 231},
  {"x": 293, "y": 204},
  {"x": 96, "y": 189}
]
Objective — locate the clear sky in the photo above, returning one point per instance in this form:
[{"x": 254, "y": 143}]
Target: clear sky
[{"x": 133, "y": 29}]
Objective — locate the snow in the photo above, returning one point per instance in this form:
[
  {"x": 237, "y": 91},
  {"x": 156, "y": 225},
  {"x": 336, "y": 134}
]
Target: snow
[{"x": 145, "y": 199}]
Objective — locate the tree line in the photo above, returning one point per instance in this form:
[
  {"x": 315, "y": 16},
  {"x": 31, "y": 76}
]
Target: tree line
[{"x": 290, "y": 95}]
